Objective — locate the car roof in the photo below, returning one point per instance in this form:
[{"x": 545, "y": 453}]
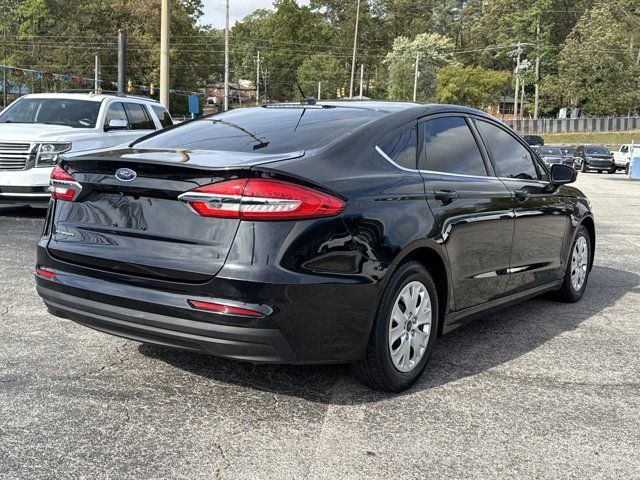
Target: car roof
[
  {"x": 383, "y": 106},
  {"x": 90, "y": 96}
]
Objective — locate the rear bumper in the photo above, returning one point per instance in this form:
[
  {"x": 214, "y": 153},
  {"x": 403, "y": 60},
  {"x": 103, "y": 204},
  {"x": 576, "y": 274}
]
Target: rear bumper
[
  {"x": 308, "y": 323},
  {"x": 258, "y": 345}
]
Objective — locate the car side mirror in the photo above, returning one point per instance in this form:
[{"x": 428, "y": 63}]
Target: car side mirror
[
  {"x": 116, "y": 124},
  {"x": 562, "y": 174}
]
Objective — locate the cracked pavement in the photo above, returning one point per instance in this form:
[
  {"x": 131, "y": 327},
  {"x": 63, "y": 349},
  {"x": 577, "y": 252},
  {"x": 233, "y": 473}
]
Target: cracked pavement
[{"x": 539, "y": 390}]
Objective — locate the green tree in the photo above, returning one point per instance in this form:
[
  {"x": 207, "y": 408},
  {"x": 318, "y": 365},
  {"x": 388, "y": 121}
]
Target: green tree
[
  {"x": 597, "y": 68},
  {"x": 471, "y": 86},
  {"x": 322, "y": 68},
  {"x": 435, "y": 51}
]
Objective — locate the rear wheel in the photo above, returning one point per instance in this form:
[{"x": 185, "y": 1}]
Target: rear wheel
[
  {"x": 578, "y": 268},
  {"x": 404, "y": 331}
]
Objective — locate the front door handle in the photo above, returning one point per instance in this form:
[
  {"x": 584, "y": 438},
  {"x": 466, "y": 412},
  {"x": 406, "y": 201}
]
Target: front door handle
[
  {"x": 521, "y": 194},
  {"x": 445, "y": 196}
]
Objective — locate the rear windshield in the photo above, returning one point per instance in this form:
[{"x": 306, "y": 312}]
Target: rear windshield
[
  {"x": 53, "y": 111},
  {"x": 263, "y": 130},
  {"x": 597, "y": 150},
  {"x": 549, "y": 151}
]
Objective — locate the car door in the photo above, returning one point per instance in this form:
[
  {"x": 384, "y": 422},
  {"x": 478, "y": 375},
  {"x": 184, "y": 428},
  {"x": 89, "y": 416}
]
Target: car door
[
  {"x": 140, "y": 121},
  {"x": 112, "y": 138},
  {"x": 540, "y": 209},
  {"x": 473, "y": 209}
]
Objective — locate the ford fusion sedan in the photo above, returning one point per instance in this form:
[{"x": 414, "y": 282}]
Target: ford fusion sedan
[
  {"x": 335, "y": 232},
  {"x": 36, "y": 129}
]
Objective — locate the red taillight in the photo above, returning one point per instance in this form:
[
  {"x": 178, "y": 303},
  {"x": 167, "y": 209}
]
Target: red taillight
[
  {"x": 63, "y": 185},
  {"x": 261, "y": 199},
  {"x": 224, "y": 309},
  {"x": 41, "y": 272}
]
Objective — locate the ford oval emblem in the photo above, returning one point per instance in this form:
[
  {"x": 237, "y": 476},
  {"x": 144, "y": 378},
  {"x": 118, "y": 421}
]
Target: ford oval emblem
[{"x": 126, "y": 175}]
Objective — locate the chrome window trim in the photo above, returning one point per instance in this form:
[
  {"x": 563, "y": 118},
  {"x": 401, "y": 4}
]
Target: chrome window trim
[{"x": 435, "y": 172}]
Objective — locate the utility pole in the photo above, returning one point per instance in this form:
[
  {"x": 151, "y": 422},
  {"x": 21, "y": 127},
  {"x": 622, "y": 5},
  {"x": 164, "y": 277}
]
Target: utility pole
[
  {"x": 258, "y": 79},
  {"x": 415, "y": 79},
  {"x": 226, "y": 56},
  {"x": 164, "y": 54},
  {"x": 517, "y": 89},
  {"x": 96, "y": 84},
  {"x": 355, "y": 46},
  {"x": 537, "y": 85},
  {"x": 361, "y": 78},
  {"x": 319, "y": 84},
  {"x": 122, "y": 60}
]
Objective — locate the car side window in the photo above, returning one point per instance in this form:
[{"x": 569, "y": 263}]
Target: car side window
[
  {"x": 449, "y": 146},
  {"x": 511, "y": 158},
  {"x": 578, "y": 151},
  {"x": 115, "y": 112},
  {"x": 402, "y": 148},
  {"x": 624, "y": 149},
  {"x": 139, "y": 117},
  {"x": 163, "y": 116}
]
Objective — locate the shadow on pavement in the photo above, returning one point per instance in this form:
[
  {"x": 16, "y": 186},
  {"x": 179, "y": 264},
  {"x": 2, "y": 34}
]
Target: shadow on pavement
[
  {"x": 470, "y": 350},
  {"x": 22, "y": 212}
]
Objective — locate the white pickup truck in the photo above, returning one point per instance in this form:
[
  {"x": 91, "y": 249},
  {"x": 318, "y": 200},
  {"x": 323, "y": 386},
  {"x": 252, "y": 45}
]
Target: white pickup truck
[
  {"x": 36, "y": 128},
  {"x": 622, "y": 157}
]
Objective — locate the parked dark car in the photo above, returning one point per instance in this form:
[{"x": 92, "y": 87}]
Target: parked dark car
[
  {"x": 594, "y": 157},
  {"x": 568, "y": 154},
  {"x": 533, "y": 140},
  {"x": 551, "y": 155},
  {"x": 341, "y": 232}
]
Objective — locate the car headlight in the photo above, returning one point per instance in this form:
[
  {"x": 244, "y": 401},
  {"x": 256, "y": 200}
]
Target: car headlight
[{"x": 48, "y": 153}]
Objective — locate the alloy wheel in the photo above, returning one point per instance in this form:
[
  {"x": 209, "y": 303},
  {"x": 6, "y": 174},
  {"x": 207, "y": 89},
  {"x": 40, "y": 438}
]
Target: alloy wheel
[
  {"x": 410, "y": 326},
  {"x": 579, "y": 263}
]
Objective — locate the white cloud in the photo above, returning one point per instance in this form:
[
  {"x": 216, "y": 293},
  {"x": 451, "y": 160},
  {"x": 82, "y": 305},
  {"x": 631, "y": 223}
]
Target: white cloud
[{"x": 238, "y": 9}]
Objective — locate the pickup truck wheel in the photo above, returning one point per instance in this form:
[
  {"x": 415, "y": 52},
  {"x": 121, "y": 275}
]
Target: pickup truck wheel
[
  {"x": 612, "y": 170},
  {"x": 626, "y": 169}
]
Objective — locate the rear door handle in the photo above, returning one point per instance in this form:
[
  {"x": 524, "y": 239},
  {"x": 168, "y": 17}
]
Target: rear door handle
[
  {"x": 521, "y": 194},
  {"x": 445, "y": 196}
]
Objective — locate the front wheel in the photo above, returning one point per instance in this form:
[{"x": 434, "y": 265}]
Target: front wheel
[
  {"x": 578, "y": 268},
  {"x": 613, "y": 170},
  {"x": 404, "y": 331}
]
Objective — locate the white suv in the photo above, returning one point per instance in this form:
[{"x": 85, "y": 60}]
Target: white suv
[{"x": 36, "y": 128}]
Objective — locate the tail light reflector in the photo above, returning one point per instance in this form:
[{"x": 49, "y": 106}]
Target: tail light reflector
[
  {"x": 261, "y": 199},
  {"x": 224, "y": 309},
  {"x": 44, "y": 273},
  {"x": 63, "y": 185}
]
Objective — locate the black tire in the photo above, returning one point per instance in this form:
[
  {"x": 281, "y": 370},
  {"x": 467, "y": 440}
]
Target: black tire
[
  {"x": 583, "y": 166},
  {"x": 626, "y": 169},
  {"x": 612, "y": 170},
  {"x": 567, "y": 293},
  {"x": 377, "y": 369}
]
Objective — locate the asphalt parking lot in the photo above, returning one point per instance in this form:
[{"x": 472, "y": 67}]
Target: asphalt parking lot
[{"x": 539, "y": 390}]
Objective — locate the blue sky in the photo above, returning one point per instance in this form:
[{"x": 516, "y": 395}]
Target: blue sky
[{"x": 238, "y": 9}]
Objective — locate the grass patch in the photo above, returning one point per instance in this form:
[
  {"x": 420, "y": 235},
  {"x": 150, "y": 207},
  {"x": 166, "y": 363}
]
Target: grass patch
[{"x": 605, "y": 138}]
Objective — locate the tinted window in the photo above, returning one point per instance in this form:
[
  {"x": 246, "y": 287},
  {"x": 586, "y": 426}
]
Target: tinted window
[
  {"x": 596, "y": 150},
  {"x": 449, "y": 146},
  {"x": 402, "y": 148},
  {"x": 115, "y": 112},
  {"x": 138, "y": 117},
  {"x": 264, "y": 129},
  {"x": 549, "y": 151},
  {"x": 52, "y": 111},
  {"x": 163, "y": 116},
  {"x": 511, "y": 158}
]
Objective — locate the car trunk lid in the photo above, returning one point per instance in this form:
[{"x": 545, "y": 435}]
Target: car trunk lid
[{"x": 138, "y": 226}]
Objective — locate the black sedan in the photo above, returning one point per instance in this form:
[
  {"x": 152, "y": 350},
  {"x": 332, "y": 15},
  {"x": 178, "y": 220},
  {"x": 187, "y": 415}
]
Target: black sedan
[{"x": 353, "y": 232}]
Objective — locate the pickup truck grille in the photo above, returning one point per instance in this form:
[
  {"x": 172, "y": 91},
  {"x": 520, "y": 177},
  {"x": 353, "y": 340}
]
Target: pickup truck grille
[{"x": 14, "y": 156}]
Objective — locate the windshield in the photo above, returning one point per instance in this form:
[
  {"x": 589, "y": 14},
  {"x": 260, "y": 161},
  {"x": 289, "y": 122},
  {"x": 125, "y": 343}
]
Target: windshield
[
  {"x": 263, "y": 130},
  {"x": 52, "y": 111},
  {"x": 568, "y": 150},
  {"x": 597, "y": 150},
  {"x": 549, "y": 151}
]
